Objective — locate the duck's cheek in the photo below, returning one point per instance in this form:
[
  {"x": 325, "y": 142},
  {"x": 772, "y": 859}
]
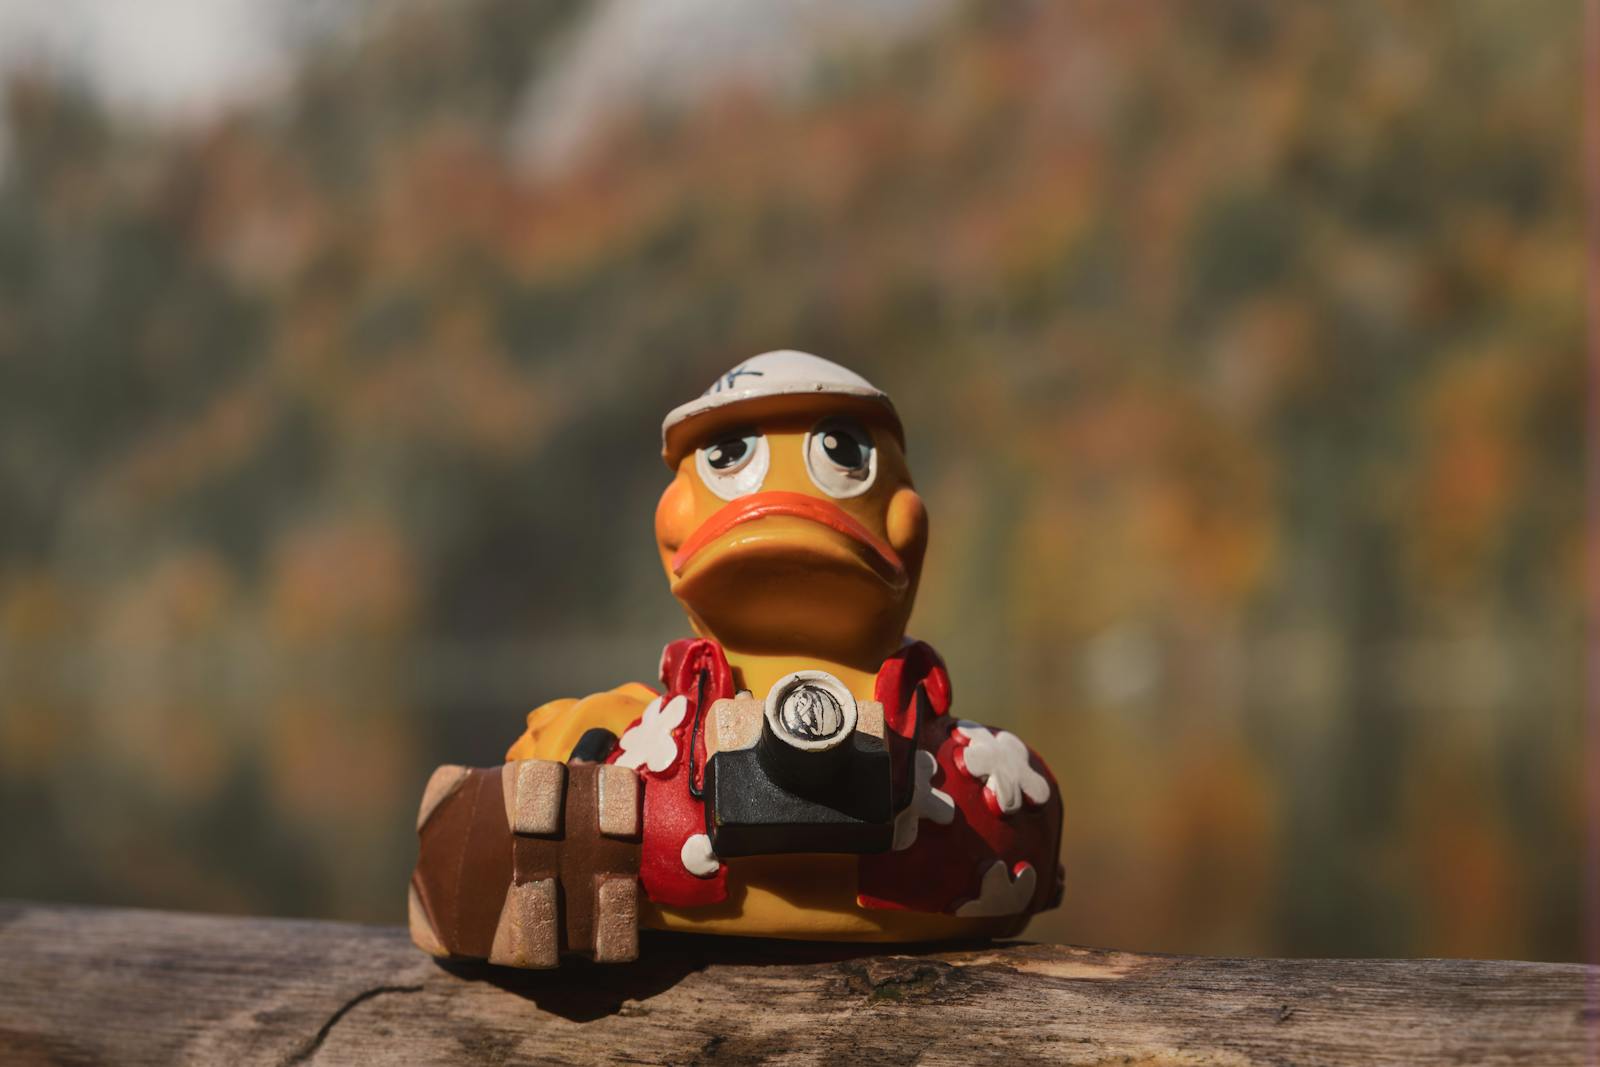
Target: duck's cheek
[
  {"x": 907, "y": 523},
  {"x": 675, "y": 515}
]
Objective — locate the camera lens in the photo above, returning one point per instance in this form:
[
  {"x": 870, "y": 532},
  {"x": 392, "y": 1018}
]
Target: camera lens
[
  {"x": 811, "y": 712},
  {"x": 810, "y": 715}
]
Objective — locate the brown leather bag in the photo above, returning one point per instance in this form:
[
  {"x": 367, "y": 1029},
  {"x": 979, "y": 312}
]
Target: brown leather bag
[{"x": 523, "y": 862}]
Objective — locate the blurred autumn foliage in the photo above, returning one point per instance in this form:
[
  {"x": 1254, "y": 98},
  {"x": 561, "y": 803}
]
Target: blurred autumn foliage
[{"x": 1240, "y": 347}]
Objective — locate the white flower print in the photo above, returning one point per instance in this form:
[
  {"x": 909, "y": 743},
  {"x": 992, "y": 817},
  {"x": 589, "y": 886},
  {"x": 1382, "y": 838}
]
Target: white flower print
[
  {"x": 926, "y": 803},
  {"x": 650, "y": 742},
  {"x": 1001, "y": 892},
  {"x": 1001, "y": 759}
]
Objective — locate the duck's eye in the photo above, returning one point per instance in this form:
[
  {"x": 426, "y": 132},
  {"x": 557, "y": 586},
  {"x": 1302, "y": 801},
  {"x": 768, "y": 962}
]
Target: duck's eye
[
  {"x": 845, "y": 451},
  {"x": 734, "y": 465},
  {"x": 726, "y": 455},
  {"x": 840, "y": 458}
]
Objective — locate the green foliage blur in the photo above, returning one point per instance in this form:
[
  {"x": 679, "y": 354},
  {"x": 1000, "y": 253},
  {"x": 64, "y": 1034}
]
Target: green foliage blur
[{"x": 1240, "y": 347}]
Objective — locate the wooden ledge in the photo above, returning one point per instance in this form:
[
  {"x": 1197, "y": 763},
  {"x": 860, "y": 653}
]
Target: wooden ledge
[{"x": 81, "y": 985}]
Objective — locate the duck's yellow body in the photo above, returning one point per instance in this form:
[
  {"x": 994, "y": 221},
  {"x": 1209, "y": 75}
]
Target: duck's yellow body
[{"x": 804, "y": 897}]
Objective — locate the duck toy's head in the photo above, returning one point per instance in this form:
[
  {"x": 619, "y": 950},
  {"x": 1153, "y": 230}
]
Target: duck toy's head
[{"x": 791, "y": 526}]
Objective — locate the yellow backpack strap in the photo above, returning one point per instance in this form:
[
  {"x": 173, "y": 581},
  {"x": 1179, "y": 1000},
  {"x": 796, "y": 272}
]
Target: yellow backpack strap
[{"x": 555, "y": 727}]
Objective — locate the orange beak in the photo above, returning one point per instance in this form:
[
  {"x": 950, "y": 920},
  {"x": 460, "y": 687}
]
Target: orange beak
[{"x": 799, "y": 505}]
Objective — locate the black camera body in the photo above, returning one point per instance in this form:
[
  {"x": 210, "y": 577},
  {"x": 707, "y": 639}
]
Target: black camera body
[{"x": 808, "y": 770}]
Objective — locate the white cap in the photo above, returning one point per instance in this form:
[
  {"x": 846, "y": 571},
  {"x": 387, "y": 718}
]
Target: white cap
[{"x": 773, "y": 381}]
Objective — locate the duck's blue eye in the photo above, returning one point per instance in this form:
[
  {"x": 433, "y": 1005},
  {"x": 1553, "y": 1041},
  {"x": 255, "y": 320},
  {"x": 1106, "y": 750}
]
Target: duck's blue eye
[
  {"x": 725, "y": 455},
  {"x": 844, "y": 450},
  {"x": 733, "y": 465},
  {"x": 840, "y": 457}
]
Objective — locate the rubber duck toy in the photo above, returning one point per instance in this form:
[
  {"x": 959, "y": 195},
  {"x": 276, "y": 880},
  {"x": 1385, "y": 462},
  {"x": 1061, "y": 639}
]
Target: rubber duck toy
[{"x": 799, "y": 772}]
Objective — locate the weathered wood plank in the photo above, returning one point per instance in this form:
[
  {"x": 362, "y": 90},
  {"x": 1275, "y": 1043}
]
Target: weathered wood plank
[{"x": 97, "y": 986}]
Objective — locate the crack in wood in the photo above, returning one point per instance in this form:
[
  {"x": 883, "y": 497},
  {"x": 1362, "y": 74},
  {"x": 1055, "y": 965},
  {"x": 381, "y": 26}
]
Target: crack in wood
[
  {"x": 310, "y": 1048},
  {"x": 899, "y": 980}
]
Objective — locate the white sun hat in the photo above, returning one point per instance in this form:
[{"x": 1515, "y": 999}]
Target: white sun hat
[{"x": 772, "y": 383}]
